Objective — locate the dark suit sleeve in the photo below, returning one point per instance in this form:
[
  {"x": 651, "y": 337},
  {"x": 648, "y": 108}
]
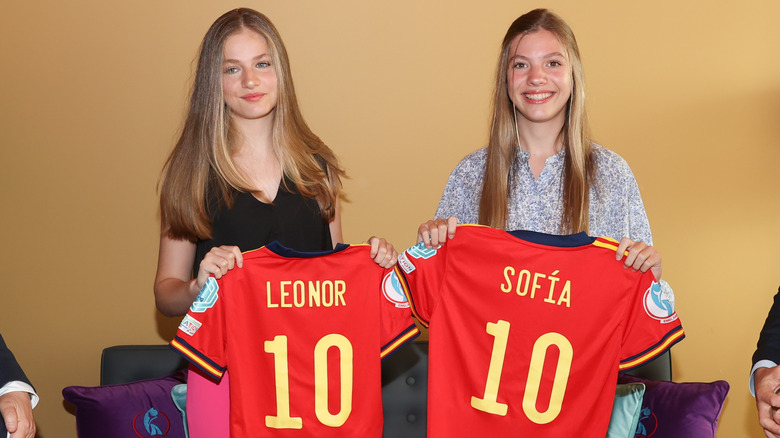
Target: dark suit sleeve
[
  {"x": 9, "y": 368},
  {"x": 768, "y": 346}
]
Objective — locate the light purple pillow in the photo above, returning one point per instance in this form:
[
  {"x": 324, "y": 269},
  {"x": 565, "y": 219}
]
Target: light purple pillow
[
  {"x": 130, "y": 410},
  {"x": 679, "y": 410}
]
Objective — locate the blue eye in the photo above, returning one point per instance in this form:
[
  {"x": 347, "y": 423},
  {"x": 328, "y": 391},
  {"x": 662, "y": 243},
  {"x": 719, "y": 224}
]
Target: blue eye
[
  {"x": 231, "y": 70},
  {"x": 263, "y": 64}
]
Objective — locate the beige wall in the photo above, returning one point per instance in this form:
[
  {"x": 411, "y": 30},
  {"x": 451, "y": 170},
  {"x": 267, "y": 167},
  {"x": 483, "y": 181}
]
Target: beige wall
[{"x": 92, "y": 93}]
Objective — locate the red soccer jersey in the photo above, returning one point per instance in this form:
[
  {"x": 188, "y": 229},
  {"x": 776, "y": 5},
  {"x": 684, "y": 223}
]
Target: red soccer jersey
[
  {"x": 526, "y": 338},
  {"x": 302, "y": 335}
]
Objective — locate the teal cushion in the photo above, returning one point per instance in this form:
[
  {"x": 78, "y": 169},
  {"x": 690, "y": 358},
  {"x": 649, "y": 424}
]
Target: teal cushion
[
  {"x": 179, "y": 395},
  {"x": 625, "y": 411}
]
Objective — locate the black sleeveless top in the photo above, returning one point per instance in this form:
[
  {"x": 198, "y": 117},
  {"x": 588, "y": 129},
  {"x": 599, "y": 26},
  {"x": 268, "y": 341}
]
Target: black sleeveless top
[{"x": 293, "y": 219}]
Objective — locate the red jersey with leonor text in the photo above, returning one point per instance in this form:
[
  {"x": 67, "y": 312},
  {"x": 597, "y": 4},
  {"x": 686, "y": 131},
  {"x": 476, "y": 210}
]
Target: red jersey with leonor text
[
  {"x": 527, "y": 331},
  {"x": 302, "y": 335}
]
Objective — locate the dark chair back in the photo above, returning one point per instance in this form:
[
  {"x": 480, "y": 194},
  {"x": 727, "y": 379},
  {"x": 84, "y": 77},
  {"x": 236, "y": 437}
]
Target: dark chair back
[
  {"x": 130, "y": 363},
  {"x": 405, "y": 392},
  {"x": 659, "y": 368}
]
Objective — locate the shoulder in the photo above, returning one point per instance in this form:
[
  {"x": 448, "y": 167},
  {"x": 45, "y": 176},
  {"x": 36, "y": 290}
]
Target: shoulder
[
  {"x": 476, "y": 158},
  {"x": 607, "y": 157},
  {"x": 609, "y": 163},
  {"x": 471, "y": 163},
  {"x": 462, "y": 192}
]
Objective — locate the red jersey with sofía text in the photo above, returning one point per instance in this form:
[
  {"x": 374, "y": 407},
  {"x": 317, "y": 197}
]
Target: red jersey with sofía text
[
  {"x": 527, "y": 331},
  {"x": 302, "y": 335}
]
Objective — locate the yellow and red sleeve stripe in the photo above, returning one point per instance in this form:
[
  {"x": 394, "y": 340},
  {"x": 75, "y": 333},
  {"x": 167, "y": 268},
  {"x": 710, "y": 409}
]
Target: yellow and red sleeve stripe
[
  {"x": 405, "y": 285},
  {"x": 194, "y": 357},
  {"x": 391, "y": 347},
  {"x": 608, "y": 243},
  {"x": 674, "y": 336}
]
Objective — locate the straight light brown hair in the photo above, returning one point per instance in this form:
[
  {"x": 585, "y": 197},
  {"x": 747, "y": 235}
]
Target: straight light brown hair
[
  {"x": 575, "y": 135},
  {"x": 201, "y": 166}
]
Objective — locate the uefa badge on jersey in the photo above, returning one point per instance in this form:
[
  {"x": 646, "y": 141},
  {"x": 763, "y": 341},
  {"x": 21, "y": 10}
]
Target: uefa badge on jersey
[
  {"x": 419, "y": 251},
  {"x": 207, "y": 296},
  {"x": 659, "y": 304},
  {"x": 393, "y": 292}
]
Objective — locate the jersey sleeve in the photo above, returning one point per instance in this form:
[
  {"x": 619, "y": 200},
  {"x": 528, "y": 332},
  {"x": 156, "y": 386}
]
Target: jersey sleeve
[
  {"x": 396, "y": 325},
  {"x": 421, "y": 271},
  {"x": 652, "y": 326},
  {"x": 201, "y": 334}
]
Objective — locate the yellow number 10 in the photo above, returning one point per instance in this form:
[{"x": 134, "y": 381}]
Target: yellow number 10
[
  {"x": 283, "y": 419},
  {"x": 489, "y": 401}
]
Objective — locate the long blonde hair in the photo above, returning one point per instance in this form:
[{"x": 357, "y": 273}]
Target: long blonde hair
[
  {"x": 575, "y": 135},
  {"x": 200, "y": 166}
]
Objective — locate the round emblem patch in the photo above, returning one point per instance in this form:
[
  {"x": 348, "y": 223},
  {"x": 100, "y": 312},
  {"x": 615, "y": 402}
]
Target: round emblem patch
[
  {"x": 392, "y": 290},
  {"x": 658, "y": 304}
]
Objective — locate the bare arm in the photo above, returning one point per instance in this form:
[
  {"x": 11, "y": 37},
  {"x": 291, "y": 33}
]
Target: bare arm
[
  {"x": 174, "y": 287},
  {"x": 336, "y": 236}
]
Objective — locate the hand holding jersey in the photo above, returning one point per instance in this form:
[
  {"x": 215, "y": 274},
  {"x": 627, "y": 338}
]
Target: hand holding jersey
[
  {"x": 302, "y": 335},
  {"x": 437, "y": 231},
  {"x": 382, "y": 252},
  {"x": 638, "y": 255},
  {"x": 528, "y": 331}
]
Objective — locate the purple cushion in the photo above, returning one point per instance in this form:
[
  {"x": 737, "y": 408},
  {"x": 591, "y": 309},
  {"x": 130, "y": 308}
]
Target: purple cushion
[
  {"x": 131, "y": 410},
  {"x": 679, "y": 410}
]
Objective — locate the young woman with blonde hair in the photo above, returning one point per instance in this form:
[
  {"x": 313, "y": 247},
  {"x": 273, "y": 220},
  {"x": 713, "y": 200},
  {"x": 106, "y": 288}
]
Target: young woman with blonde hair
[
  {"x": 540, "y": 170},
  {"x": 246, "y": 171},
  {"x": 246, "y": 167}
]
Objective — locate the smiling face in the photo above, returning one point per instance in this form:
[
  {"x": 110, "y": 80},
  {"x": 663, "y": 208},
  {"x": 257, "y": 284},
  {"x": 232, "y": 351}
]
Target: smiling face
[
  {"x": 249, "y": 82},
  {"x": 539, "y": 77}
]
